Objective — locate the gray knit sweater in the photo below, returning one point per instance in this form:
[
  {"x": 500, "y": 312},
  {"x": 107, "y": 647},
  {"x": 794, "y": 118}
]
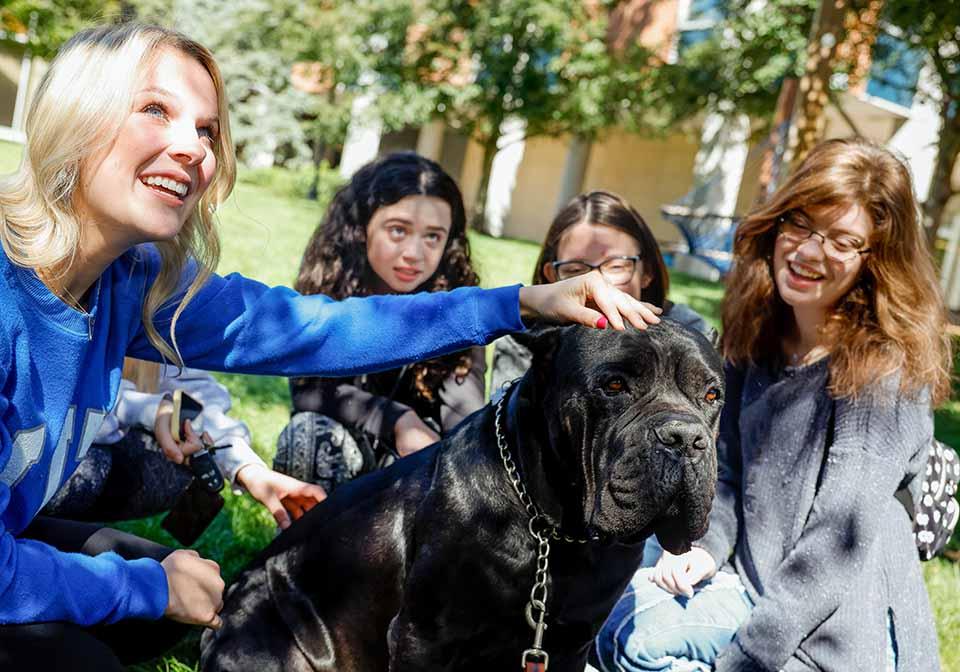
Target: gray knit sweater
[{"x": 805, "y": 513}]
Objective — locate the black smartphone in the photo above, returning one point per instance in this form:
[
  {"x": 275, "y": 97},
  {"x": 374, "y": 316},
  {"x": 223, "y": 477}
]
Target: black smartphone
[
  {"x": 194, "y": 510},
  {"x": 185, "y": 409}
]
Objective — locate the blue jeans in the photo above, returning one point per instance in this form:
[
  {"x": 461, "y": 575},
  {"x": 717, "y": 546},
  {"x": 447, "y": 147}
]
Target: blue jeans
[{"x": 652, "y": 630}]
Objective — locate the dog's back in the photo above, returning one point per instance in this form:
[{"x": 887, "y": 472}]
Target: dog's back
[{"x": 307, "y": 595}]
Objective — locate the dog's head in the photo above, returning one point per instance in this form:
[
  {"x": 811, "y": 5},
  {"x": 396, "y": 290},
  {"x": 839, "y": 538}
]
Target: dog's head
[{"x": 628, "y": 443}]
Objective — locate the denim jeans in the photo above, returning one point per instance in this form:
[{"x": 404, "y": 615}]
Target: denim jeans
[{"x": 650, "y": 629}]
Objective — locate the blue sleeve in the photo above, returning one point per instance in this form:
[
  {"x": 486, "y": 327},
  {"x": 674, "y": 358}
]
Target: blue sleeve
[
  {"x": 240, "y": 325},
  {"x": 39, "y": 583}
]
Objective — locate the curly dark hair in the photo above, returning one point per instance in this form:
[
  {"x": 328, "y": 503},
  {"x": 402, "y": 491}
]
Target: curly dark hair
[{"x": 335, "y": 260}]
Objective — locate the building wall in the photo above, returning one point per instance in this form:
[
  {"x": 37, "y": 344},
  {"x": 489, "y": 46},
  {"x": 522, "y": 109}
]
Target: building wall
[
  {"x": 11, "y": 56},
  {"x": 750, "y": 183},
  {"x": 534, "y": 201},
  {"x": 647, "y": 172},
  {"x": 469, "y": 177}
]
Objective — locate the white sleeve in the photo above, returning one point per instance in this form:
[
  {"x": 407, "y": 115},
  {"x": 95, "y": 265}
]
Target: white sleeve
[{"x": 200, "y": 385}]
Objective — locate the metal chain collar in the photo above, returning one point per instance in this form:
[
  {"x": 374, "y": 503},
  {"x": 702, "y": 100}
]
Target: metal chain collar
[{"x": 542, "y": 530}]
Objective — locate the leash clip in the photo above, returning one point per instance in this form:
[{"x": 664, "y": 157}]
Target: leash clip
[{"x": 535, "y": 660}]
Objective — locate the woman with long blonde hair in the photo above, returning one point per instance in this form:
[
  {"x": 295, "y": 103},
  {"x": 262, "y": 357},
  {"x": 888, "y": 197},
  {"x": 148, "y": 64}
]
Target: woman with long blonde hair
[
  {"x": 109, "y": 248},
  {"x": 835, "y": 342}
]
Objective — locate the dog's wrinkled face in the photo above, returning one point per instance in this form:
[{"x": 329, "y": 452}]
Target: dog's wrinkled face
[{"x": 635, "y": 416}]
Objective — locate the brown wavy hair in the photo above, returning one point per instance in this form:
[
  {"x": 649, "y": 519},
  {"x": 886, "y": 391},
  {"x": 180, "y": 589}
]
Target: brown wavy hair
[
  {"x": 608, "y": 209},
  {"x": 893, "y": 319},
  {"x": 335, "y": 260}
]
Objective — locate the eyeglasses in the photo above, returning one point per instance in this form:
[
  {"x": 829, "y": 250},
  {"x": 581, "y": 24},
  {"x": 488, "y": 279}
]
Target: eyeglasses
[
  {"x": 617, "y": 270},
  {"x": 843, "y": 248}
]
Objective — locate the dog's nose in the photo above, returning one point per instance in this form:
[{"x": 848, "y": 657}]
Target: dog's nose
[{"x": 685, "y": 436}]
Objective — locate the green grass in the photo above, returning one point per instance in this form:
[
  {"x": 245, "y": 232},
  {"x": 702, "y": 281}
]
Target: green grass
[{"x": 263, "y": 232}]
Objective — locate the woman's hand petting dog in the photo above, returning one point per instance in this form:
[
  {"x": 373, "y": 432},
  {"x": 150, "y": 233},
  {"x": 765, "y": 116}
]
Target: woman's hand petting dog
[
  {"x": 586, "y": 299},
  {"x": 284, "y": 496},
  {"x": 678, "y": 574},
  {"x": 195, "y": 589}
]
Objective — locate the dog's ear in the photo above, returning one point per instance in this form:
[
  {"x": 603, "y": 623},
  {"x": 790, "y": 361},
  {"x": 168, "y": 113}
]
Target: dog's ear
[{"x": 541, "y": 338}]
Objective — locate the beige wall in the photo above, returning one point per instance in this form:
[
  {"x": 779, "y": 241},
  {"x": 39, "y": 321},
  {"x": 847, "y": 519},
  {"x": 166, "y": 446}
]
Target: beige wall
[
  {"x": 470, "y": 175},
  {"x": 539, "y": 178},
  {"x": 647, "y": 172},
  {"x": 750, "y": 182}
]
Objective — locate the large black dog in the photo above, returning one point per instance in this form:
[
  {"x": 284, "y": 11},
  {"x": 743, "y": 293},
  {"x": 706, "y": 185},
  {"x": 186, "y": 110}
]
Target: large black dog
[{"x": 429, "y": 565}]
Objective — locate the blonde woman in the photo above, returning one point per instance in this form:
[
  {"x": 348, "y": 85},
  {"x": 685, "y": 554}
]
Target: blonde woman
[{"x": 108, "y": 251}]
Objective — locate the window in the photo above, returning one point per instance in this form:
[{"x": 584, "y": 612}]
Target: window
[
  {"x": 698, "y": 23},
  {"x": 894, "y": 71}
]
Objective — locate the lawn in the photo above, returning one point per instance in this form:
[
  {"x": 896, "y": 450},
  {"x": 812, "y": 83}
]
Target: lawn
[{"x": 263, "y": 231}]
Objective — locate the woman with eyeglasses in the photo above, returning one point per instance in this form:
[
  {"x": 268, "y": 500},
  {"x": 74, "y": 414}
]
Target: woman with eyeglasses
[
  {"x": 599, "y": 231},
  {"x": 834, "y": 336}
]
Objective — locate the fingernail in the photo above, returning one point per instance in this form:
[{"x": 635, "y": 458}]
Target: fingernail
[{"x": 601, "y": 322}]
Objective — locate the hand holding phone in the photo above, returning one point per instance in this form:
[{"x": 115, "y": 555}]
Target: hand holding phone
[
  {"x": 175, "y": 438},
  {"x": 185, "y": 409}
]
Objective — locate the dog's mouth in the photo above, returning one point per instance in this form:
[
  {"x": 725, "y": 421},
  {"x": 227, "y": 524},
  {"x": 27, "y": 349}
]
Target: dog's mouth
[
  {"x": 678, "y": 514},
  {"x": 680, "y": 526}
]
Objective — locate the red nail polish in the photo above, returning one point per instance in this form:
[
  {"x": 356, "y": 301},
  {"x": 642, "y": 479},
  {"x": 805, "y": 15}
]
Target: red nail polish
[{"x": 601, "y": 322}]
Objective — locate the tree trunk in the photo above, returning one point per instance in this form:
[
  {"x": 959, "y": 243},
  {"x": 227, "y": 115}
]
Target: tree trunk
[
  {"x": 948, "y": 148},
  {"x": 772, "y": 164},
  {"x": 826, "y": 33},
  {"x": 479, "y": 221},
  {"x": 319, "y": 151}
]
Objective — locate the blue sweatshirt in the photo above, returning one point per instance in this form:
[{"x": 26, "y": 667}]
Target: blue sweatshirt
[{"x": 60, "y": 372}]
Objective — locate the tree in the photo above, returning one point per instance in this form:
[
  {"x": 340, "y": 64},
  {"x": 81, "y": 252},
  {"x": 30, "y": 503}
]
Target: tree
[
  {"x": 50, "y": 23},
  {"x": 841, "y": 30},
  {"x": 338, "y": 44},
  {"x": 545, "y": 62},
  {"x": 743, "y": 63},
  {"x": 934, "y": 28}
]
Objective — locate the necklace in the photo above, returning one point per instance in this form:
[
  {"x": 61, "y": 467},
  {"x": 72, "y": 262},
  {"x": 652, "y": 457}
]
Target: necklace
[
  {"x": 73, "y": 302},
  {"x": 64, "y": 294}
]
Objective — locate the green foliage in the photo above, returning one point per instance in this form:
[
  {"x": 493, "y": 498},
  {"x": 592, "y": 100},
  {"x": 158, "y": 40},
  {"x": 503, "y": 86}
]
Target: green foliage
[
  {"x": 545, "y": 61},
  {"x": 742, "y": 64},
  {"x": 934, "y": 28},
  {"x": 349, "y": 40},
  {"x": 52, "y": 22},
  {"x": 294, "y": 183}
]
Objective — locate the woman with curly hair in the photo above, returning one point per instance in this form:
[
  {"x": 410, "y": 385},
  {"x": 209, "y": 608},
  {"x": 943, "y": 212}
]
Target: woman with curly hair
[
  {"x": 397, "y": 227},
  {"x": 834, "y": 335}
]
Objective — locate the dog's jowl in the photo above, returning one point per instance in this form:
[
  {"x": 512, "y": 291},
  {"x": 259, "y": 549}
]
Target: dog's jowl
[{"x": 429, "y": 565}]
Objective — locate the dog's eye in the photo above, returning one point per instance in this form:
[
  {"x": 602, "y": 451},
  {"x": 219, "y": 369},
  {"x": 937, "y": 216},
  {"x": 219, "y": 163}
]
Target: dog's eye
[
  {"x": 712, "y": 395},
  {"x": 615, "y": 385}
]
